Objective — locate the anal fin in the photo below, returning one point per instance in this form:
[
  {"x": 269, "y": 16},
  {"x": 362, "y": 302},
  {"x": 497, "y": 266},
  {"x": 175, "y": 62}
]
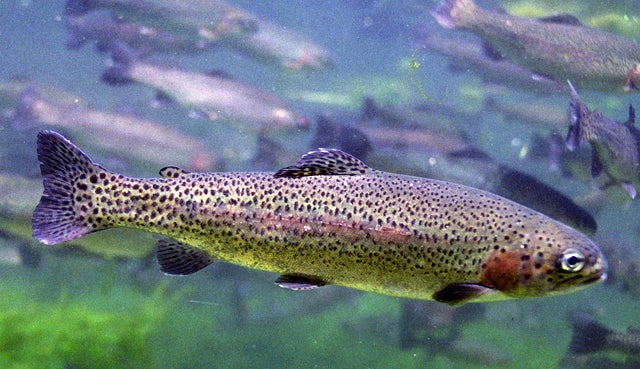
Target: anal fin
[
  {"x": 299, "y": 282},
  {"x": 177, "y": 258}
]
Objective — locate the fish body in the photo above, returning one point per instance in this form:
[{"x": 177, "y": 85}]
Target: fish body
[
  {"x": 329, "y": 219},
  {"x": 469, "y": 56},
  {"x": 216, "y": 96},
  {"x": 616, "y": 146},
  {"x": 11, "y": 91},
  {"x": 208, "y": 20},
  {"x": 451, "y": 158},
  {"x": 125, "y": 134},
  {"x": 557, "y": 47},
  {"x": 545, "y": 113},
  {"x": 274, "y": 44},
  {"x": 589, "y": 336},
  {"x": 485, "y": 174},
  {"x": 105, "y": 29}
]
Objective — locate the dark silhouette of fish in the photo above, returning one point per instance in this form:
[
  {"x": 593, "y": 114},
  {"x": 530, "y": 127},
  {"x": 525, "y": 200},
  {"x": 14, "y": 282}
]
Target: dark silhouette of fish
[{"x": 589, "y": 336}]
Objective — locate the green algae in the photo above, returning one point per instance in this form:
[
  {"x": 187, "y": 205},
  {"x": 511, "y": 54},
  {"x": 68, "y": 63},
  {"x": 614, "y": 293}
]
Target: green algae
[{"x": 70, "y": 333}]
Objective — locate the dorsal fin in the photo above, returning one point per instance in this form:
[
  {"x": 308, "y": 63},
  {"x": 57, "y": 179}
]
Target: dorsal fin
[
  {"x": 219, "y": 73},
  {"x": 562, "y": 18},
  {"x": 172, "y": 172},
  {"x": 325, "y": 162},
  {"x": 632, "y": 116}
]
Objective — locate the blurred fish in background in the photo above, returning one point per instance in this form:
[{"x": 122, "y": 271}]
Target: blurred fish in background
[
  {"x": 438, "y": 329},
  {"x": 592, "y": 342},
  {"x": 615, "y": 146},
  {"x": 124, "y": 134},
  {"x": 557, "y": 47},
  {"x": 466, "y": 56},
  {"x": 105, "y": 29},
  {"x": 214, "y": 96},
  {"x": 624, "y": 262},
  {"x": 279, "y": 46},
  {"x": 158, "y": 25},
  {"x": 201, "y": 20}
]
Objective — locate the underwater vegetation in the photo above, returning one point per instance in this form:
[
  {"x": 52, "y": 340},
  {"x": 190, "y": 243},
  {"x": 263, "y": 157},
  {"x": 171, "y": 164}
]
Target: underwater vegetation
[{"x": 70, "y": 333}]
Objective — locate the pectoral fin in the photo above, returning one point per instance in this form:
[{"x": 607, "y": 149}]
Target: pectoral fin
[
  {"x": 458, "y": 293},
  {"x": 563, "y": 18},
  {"x": 298, "y": 282},
  {"x": 179, "y": 259}
]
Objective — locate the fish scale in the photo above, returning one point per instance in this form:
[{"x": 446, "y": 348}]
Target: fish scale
[{"x": 351, "y": 226}]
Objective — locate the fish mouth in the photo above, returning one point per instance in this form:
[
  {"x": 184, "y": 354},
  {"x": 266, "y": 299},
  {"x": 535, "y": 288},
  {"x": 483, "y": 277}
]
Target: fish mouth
[
  {"x": 579, "y": 280},
  {"x": 597, "y": 278}
]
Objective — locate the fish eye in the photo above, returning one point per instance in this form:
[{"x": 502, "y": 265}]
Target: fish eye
[{"x": 572, "y": 260}]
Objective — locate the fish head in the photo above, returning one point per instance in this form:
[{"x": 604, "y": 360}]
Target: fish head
[
  {"x": 543, "y": 265},
  {"x": 286, "y": 118}
]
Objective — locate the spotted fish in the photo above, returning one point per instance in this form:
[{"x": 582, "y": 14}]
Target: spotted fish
[{"x": 328, "y": 219}]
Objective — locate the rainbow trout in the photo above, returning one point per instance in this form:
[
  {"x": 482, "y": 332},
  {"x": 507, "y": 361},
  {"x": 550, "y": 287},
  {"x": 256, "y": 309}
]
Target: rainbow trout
[
  {"x": 615, "y": 146},
  {"x": 328, "y": 219},
  {"x": 559, "y": 47}
]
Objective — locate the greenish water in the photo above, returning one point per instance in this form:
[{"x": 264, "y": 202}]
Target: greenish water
[{"x": 79, "y": 311}]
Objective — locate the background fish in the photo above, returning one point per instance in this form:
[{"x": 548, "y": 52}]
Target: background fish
[
  {"x": 329, "y": 219},
  {"x": 214, "y": 96},
  {"x": 127, "y": 135},
  {"x": 105, "y": 29},
  {"x": 589, "y": 336},
  {"x": 208, "y": 20},
  {"x": 283, "y": 47},
  {"x": 615, "y": 145},
  {"x": 558, "y": 47},
  {"x": 468, "y": 56}
]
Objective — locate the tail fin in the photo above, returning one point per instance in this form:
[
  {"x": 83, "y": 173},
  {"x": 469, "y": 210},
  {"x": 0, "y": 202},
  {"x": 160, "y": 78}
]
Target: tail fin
[
  {"x": 450, "y": 12},
  {"x": 577, "y": 107},
  {"x": 64, "y": 168},
  {"x": 588, "y": 335}
]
